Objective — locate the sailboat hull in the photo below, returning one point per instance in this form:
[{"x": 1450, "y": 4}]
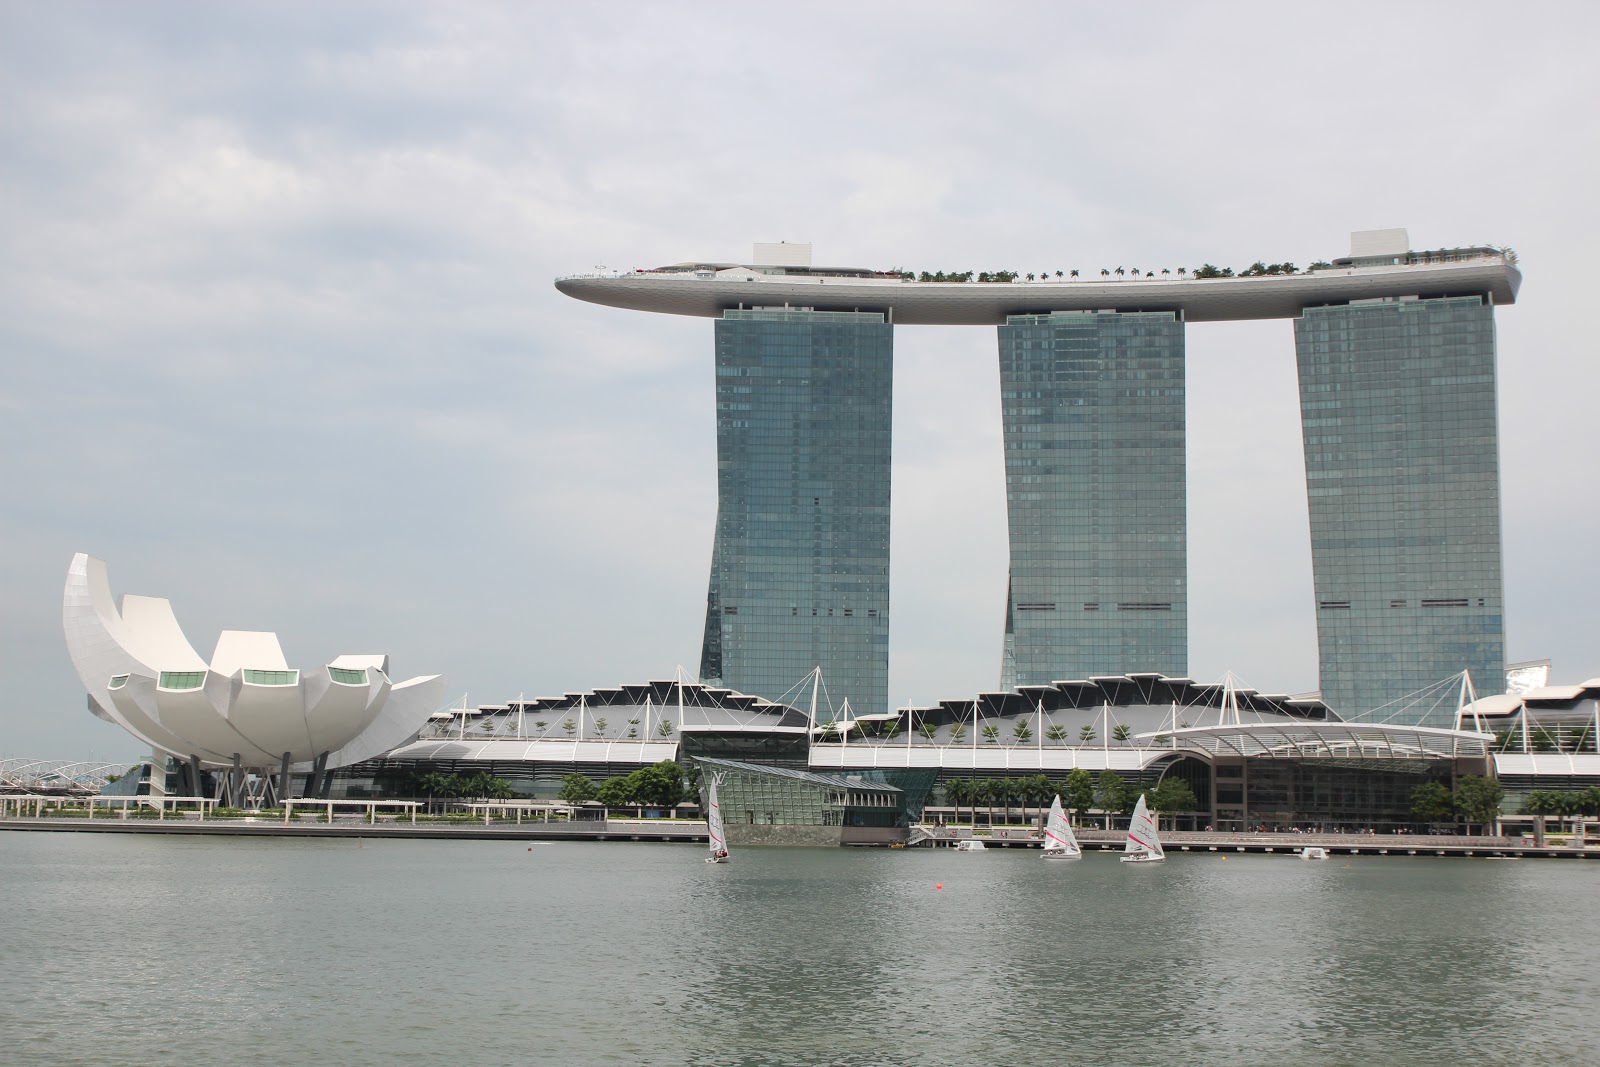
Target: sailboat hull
[
  {"x": 1061, "y": 855},
  {"x": 1143, "y": 857}
]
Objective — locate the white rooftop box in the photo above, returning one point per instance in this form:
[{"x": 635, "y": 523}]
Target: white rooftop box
[
  {"x": 782, "y": 254},
  {"x": 1364, "y": 243}
]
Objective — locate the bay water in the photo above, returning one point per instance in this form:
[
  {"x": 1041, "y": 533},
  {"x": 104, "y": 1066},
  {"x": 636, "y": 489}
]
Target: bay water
[{"x": 131, "y": 949}]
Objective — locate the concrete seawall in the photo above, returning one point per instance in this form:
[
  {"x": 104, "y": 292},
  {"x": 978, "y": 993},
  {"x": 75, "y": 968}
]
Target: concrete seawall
[{"x": 695, "y": 832}]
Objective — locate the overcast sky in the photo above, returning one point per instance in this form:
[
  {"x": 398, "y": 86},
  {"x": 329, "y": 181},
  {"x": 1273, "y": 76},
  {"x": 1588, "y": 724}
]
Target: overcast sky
[{"x": 278, "y": 338}]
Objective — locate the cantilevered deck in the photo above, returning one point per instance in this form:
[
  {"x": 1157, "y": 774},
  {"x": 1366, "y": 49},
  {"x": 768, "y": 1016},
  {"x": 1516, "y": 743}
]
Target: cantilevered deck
[{"x": 709, "y": 290}]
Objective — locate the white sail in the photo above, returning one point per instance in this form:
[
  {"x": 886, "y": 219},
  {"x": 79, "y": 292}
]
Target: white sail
[
  {"x": 717, "y": 840},
  {"x": 1143, "y": 843},
  {"x": 1059, "y": 841}
]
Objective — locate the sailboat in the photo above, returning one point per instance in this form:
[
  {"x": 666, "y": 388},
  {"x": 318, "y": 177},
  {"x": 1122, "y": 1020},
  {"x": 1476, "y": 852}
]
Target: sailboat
[
  {"x": 716, "y": 838},
  {"x": 1143, "y": 844},
  {"x": 1059, "y": 844}
]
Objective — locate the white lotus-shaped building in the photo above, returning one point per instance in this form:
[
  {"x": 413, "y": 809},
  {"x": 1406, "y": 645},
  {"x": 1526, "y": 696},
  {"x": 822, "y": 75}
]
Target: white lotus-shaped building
[{"x": 246, "y": 707}]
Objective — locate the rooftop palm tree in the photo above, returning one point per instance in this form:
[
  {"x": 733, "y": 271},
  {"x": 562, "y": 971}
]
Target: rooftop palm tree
[{"x": 1073, "y": 273}]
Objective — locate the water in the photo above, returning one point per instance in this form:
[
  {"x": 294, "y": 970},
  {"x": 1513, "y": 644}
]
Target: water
[{"x": 120, "y": 949}]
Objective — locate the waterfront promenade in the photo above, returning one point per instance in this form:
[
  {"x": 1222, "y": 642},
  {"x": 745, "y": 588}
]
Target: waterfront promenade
[{"x": 691, "y": 830}]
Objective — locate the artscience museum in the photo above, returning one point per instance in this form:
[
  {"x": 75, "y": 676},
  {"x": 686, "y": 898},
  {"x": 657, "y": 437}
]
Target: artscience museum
[{"x": 243, "y": 726}]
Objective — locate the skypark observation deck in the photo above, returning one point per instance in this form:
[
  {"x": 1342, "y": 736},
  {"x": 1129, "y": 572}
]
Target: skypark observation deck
[{"x": 709, "y": 289}]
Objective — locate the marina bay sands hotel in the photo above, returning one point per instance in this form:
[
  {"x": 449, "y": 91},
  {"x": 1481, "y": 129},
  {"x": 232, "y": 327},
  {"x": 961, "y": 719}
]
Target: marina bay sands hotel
[{"x": 1396, "y": 356}]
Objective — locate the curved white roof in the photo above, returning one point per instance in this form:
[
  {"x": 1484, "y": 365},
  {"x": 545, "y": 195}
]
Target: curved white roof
[
  {"x": 141, "y": 673},
  {"x": 708, "y": 293},
  {"x": 1330, "y": 740}
]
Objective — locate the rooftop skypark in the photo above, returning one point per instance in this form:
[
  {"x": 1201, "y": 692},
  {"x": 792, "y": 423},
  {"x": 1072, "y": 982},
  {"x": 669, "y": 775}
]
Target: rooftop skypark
[{"x": 786, "y": 278}]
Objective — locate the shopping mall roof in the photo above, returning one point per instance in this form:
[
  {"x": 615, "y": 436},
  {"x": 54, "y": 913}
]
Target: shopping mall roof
[{"x": 1330, "y": 741}]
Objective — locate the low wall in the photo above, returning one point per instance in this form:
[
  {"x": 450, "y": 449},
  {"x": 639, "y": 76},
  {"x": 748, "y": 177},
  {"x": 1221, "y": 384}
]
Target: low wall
[{"x": 804, "y": 836}]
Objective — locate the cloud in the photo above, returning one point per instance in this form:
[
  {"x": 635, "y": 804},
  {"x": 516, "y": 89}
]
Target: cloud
[{"x": 280, "y": 339}]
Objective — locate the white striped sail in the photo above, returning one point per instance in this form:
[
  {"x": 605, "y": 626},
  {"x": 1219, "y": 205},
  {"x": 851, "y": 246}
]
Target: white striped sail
[
  {"x": 717, "y": 841},
  {"x": 1142, "y": 839},
  {"x": 1059, "y": 841}
]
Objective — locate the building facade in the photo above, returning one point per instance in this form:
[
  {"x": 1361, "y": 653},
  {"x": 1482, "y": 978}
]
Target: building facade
[
  {"x": 800, "y": 565},
  {"x": 1397, "y": 405},
  {"x": 1397, "y": 378},
  {"x": 1093, "y": 410}
]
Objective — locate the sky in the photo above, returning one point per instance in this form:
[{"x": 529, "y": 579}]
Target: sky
[{"x": 278, "y": 338}]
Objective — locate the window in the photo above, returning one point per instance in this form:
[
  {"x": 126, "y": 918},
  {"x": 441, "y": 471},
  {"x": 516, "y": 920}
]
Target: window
[
  {"x": 271, "y": 677},
  {"x": 117, "y": 681},
  {"x": 347, "y": 677},
  {"x": 181, "y": 679}
]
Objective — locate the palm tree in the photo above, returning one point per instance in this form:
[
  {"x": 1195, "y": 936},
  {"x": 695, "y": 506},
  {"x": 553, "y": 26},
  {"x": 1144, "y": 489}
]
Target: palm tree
[
  {"x": 957, "y": 792},
  {"x": 433, "y": 784},
  {"x": 1165, "y": 272},
  {"x": 1074, "y": 273},
  {"x": 1038, "y": 789},
  {"x": 1182, "y": 271},
  {"x": 1104, "y": 273},
  {"x": 1121, "y": 272},
  {"x": 1134, "y": 271},
  {"x": 1030, "y": 275}
]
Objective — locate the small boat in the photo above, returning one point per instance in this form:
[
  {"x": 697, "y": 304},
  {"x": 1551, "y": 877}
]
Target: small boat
[
  {"x": 1059, "y": 842},
  {"x": 1313, "y": 852},
  {"x": 1143, "y": 844},
  {"x": 971, "y": 844},
  {"x": 716, "y": 837}
]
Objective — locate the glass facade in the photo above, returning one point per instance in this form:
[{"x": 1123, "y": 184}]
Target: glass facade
[
  {"x": 1093, "y": 408},
  {"x": 772, "y": 796},
  {"x": 800, "y": 566},
  {"x": 1397, "y": 405}
]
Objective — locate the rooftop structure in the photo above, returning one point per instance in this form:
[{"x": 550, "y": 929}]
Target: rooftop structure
[{"x": 708, "y": 289}]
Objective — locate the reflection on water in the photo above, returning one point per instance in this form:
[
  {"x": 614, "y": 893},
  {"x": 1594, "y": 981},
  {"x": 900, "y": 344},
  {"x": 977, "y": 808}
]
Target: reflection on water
[{"x": 284, "y": 951}]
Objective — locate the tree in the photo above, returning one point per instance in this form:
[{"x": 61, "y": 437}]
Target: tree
[
  {"x": 1478, "y": 799},
  {"x": 1112, "y": 793},
  {"x": 569, "y": 726},
  {"x": 540, "y": 725},
  {"x": 664, "y": 728},
  {"x": 1432, "y": 802},
  {"x": 600, "y": 727},
  {"x": 487, "y": 724},
  {"x": 433, "y": 784},
  {"x": 1122, "y": 732},
  {"x": 957, "y": 732},
  {"x": 575, "y": 789},
  {"x": 1080, "y": 791},
  {"x": 1022, "y": 732},
  {"x": 956, "y": 793},
  {"x": 659, "y": 785},
  {"x": 991, "y": 734},
  {"x": 633, "y": 727},
  {"x": 617, "y": 792},
  {"x": 1036, "y": 790},
  {"x": 1056, "y": 732},
  {"x": 927, "y": 730},
  {"x": 1086, "y": 733},
  {"x": 1172, "y": 795},
  {"x": 891, "y": 729}
]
